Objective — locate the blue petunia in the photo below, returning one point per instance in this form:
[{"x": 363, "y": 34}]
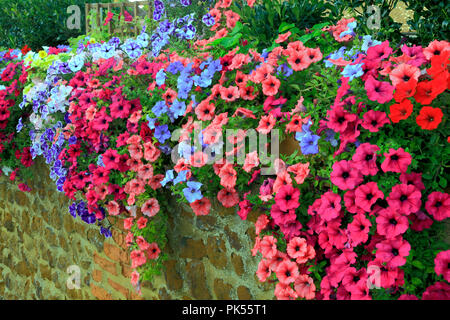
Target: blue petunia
[
  {"x": 192, "y": 192},
  {"x": 309, "y": 144},
  {"x": 160, "y": 77},
  {"x": 175, "y": 67},
  {"x": 352, "y": 71},
  {"x": 160, "y": 108},
  {"x": 19, "y": 125},
  {"x": 208, "y": 19},
  {"x": 351, "y": 26},
  {"x": 181, "y": 177},
  {"x": 178, "y": 108},
  {"x": 369, "y": 42},
  {"x": 162, "y": 133},
  {"x": 167, "y": 178}
]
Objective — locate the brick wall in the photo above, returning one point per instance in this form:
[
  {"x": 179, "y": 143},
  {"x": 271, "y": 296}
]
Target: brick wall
[{"x": 209, "y": 256}]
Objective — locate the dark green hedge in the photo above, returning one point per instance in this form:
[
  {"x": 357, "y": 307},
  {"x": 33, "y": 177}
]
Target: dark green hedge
[{"x": 38, "y": 23}]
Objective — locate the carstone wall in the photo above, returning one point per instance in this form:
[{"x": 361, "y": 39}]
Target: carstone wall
[{"x": 209, "y": 256}]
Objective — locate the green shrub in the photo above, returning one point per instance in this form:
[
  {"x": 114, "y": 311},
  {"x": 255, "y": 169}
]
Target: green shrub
[
  {"x": 430, "y": 21},
  {"x": 263, "y": 21},
  {"x": 38, "y": 22}
]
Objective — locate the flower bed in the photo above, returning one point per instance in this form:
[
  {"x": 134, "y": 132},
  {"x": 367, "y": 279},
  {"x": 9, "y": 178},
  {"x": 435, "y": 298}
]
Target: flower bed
[{"x": 127, "y": 128}]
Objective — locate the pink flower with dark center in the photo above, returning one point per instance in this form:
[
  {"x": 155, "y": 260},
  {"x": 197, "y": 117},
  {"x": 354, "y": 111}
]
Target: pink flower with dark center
[
  {"x": 153, "y": 251},
  {"x": 339, "y": 118},
  {"x": 374, "y": 120},
  {"x": 201, "y": 207},
  {"x": 287, "y": 197},
  {"x": 396, "y": 161},
  {"x": 442, "y": 264},
  {"x": 263, "y": 271},
  {"x": 393, "y": 252},
  {"x": 359, "y": 229},
  {"x": 353, "y": 278},
  {"x": 405, "y": 198},
  {"x": 367, "y": 194},
  {"x": 345, "y": 175},
  {"x": 281, "y": 217},
  {"x": 113, "y": 208},
  {"x": 150, "y": 207},
  {"x": 228, "y": 197},
  {"x": 330, "y": 206},
  {"x": 296, "y": 247},
  {"x": 390, "y": 223},
  {"x": 365, "y": 158},
  {"x": 379, "y": 91},
  {"x": 268, "y": 247},
  {"x": 228, "y": 176},
  {"x": 438, "y": 205},
  {"x": 304, "y": 287},
  {"x": 379, "y": 52},
  {"x": 137, "y": 258},
  {"x": 287, "y": 272}
]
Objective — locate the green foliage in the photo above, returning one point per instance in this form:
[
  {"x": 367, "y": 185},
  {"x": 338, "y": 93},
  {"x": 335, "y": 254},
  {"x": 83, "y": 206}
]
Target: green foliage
[
  {"x": 430, "y": 20},
  {"x": 38, "y": 23},
  {"x": 262, "y": 22}
]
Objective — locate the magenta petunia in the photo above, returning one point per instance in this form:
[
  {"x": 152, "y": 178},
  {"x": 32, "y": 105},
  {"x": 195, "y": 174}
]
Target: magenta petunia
[
  {"x": 330, "y": 206},
  {"x": 287, "y": 197},
  {"x": 374, "y": 120},
  {"x": 442, "y": 264},
  {"x": 393, "y": 252},
  {"x": 345, "y": 175},
  {"x": 379, "y": 91},
  {"x": 367, "y": 194},
  {"x": 396, "y": 161},
  {"x": 405, "y": 198},
  {"x": 390, "y": 223},
  {"x": 365, "y": 158},
  {"x": 438, "y": 205}
]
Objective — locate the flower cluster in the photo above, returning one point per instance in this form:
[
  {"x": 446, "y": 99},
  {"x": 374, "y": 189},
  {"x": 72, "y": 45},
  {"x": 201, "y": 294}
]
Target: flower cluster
[{"x": 127, "y": 125}]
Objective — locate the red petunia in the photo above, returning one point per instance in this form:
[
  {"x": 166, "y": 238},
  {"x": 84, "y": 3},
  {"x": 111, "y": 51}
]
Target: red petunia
[
  {"x": 429, "y": 118},
  {"x": 228, "y": 197},
  {"x": 201, "y": 207}
]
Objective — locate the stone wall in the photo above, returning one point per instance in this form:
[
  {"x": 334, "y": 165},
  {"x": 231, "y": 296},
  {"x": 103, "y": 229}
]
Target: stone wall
[{"x": 209, "y": 256}]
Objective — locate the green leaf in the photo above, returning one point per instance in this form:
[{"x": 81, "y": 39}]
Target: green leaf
[
  {"x": 416, "y": 281},
  {"x": 418, "y": 264},
  {"x": 285, "y": 27},
  {"x": 320, "y": 26},
  {"x": 304, "y": 38}
]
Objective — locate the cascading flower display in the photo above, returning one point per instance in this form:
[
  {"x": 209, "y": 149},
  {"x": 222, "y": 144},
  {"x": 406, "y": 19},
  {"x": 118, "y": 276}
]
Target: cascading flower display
[{"x": 127, "y": 125}]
